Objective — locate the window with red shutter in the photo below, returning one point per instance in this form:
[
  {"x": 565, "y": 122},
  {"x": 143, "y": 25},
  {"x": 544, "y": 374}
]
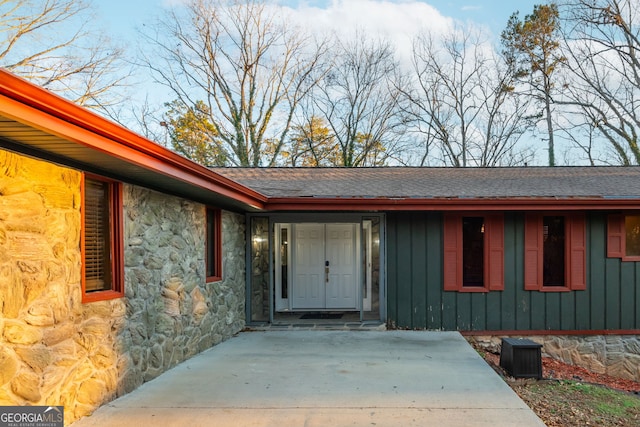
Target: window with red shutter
[
  {"x": 554, "y": 252},
  {"x": 632, "y": 236},
  {"x": 623, "y": 236},
  {"x": 473, "y": 258},
  {"x": 101, "y": 241}
]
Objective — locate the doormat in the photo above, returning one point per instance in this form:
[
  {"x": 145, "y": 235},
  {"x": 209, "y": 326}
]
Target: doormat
[{"x": 321, "y": 316}]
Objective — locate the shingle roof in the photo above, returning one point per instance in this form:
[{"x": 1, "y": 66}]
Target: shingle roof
[{"x": 426, "y": 183}]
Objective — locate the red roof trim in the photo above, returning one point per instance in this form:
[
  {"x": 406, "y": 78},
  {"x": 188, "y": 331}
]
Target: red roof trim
[
  {"x": 452, "y": 204},
  {"x": 27, "y": 103}
]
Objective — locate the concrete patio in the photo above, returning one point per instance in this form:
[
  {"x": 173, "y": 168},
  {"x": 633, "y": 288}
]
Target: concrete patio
[{"x": 325, "y": 378}]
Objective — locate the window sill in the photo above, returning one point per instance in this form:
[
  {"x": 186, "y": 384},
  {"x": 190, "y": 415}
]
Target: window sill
[
  {"x": 554, "y": 289},
  {"x": 473, "y": 289},
  {"x": 213, "y": 279},
  {"x": 101, "y": 296}
]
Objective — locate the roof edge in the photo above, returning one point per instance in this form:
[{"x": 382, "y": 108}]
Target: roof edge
[
  {"x": 449, "y": 204},
  {"x": 24, "y": 92}
]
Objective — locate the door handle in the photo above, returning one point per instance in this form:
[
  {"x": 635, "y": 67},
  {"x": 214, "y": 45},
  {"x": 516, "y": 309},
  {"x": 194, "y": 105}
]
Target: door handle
[{"x": 326, "y": 271}]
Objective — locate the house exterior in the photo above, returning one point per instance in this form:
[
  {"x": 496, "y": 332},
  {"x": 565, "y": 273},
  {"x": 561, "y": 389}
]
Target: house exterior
[
  {"x": 120, "y": 259},
  {"x": 111, "y": 255},
  {"x": 430, "y": 218}
]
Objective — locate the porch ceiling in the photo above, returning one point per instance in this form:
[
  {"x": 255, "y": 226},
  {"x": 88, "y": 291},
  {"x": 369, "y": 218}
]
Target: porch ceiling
[{"x": 21, "y": 138}]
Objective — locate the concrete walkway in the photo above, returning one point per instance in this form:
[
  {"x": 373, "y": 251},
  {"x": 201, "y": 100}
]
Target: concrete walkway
[{"x": 325, "y": 378}]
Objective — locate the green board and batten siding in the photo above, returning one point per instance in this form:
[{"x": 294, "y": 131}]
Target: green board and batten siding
[{"x": 416, "y": 299}]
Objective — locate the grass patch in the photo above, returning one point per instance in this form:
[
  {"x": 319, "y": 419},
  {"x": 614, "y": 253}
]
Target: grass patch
[{"x": 572, "y": 403}]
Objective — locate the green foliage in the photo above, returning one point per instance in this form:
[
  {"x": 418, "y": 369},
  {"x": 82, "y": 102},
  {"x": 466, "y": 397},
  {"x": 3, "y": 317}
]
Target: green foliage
[
  {"x": 532, "y": 49},
  {"x": 532, "y": 45},
  {"x": 312, "y": 144},
  {"x": 372, "y": 150},
  {"x": 192, "y": 133}
]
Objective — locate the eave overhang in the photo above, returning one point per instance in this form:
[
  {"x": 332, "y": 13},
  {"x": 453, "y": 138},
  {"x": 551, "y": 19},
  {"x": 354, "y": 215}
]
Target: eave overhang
[{"x": 37, "y": 122}]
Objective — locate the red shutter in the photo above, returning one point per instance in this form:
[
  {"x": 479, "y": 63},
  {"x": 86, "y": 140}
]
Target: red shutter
[
  {"x": 533, "y": 246},
  {"x": 494, "y": 266},
  {"x": 452, "y": 259},
  {"x": 577, "y": 279},
  {"x": 615, "y": 236}
]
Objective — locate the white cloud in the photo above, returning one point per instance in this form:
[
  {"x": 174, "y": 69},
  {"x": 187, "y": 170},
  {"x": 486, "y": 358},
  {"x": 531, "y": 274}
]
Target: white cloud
[
  {"x": 397, "y": 21},
  {"x": 385, "y": 17}
]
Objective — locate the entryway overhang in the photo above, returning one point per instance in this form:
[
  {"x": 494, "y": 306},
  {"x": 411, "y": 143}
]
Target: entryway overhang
[{"x": 36, "y": 122}]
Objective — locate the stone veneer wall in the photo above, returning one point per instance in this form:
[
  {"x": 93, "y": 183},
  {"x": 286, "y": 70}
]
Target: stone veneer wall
[
  {"x": 55, "y": 350},
  {"x": 615, "y": 355}
]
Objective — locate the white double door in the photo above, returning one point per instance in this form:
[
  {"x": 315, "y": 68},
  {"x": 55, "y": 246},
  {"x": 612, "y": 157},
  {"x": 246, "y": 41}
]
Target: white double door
[{"x": 325, "y": 267}]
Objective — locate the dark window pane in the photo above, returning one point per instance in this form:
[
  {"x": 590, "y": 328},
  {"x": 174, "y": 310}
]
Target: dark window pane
[
  {"x": 473, "y": 251},
  {"x": 553, "y": 251},
  {"x": 632, "y": 226},
  {"x": 211, "y": 243}
]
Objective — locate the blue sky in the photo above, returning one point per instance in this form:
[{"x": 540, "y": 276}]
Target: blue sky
[
  {"x": 121, "y": 17},
  {"x": 397, "y": 20}
]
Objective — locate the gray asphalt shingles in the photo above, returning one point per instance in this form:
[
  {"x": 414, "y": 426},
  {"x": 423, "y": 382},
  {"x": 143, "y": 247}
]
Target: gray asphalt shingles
[{"x": 410, "y": 182}]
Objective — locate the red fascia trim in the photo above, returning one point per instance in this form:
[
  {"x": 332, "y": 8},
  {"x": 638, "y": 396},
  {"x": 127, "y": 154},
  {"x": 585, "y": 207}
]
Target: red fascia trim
[
  {"x": 24, "y": 102},
  {"x": 448, "y": 204},
  {"x": 509, "y": 332}
]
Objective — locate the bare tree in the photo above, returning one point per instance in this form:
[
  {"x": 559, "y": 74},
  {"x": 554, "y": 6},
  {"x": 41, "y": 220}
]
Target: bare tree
[
  {"x": 48, "y": 41},
  {"x": 358, "y": 101},
  {"x": 602, "y": 44},
  {"x": 583, "y": 138},
  {"x": 247, "y": 64},
  {"x": 462, "y": 101}
]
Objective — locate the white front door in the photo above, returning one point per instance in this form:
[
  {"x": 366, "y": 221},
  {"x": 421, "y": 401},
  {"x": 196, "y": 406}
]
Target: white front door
[
  {"x": 324, "y": 267},
  {"x": 341, "y": 260},
  {"x": 308, "y": 287}
]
